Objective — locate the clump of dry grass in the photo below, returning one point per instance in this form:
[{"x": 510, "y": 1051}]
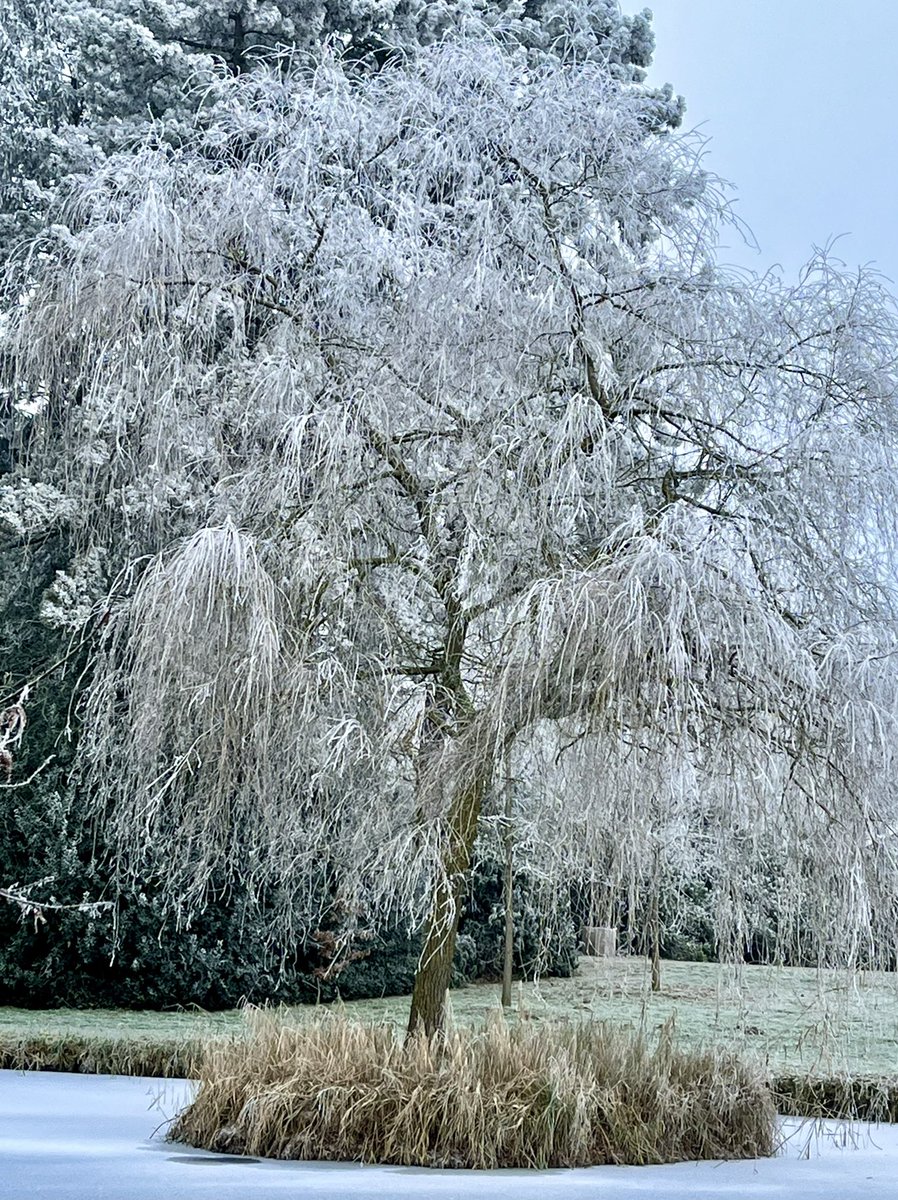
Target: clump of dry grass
[
  {"x": 837, "y": 1097},
  {"x": 566, "y": 1096},
  {"x": 87, "y": 1055}
]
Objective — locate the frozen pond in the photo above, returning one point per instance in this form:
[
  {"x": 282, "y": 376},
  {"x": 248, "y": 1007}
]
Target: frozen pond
[{"x": 98, "y": 1137}]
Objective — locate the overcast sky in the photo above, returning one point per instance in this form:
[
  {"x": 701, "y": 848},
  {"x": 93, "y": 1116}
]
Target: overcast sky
[{"x": 799, "y": 99}]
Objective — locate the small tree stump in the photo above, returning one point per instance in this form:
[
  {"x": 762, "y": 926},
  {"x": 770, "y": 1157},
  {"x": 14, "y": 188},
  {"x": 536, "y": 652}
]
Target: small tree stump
[{"x": 600, "y": 941}]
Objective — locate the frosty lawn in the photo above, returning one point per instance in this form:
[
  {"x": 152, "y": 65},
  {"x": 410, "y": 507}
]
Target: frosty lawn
[{"x": 796, "y": 1020}]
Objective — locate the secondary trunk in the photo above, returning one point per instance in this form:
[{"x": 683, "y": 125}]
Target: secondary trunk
[
  {"x": 655, "y": 930},
  {"x": 508, "y": 950}
]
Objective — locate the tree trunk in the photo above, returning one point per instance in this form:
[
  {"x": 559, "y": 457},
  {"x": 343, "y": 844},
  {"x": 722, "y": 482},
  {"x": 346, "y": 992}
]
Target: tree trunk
[
  {"x": 238, "y": 46},
  {"x": 508, "y": 952},
  {"x": 655, "y": 930},
  {"x": 434, "y": 972}
]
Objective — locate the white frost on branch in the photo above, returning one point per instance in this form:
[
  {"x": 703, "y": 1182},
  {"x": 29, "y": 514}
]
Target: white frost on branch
[
  {"x": 71, "y": 599},
  {"x": 31, "y": 508}
]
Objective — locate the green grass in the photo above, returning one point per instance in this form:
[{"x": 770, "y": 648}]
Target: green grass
[
  {"x": 794, "y": 1022},
  {"x": 117, "y": 1023},
  {"x": 789, "y": 1019}
]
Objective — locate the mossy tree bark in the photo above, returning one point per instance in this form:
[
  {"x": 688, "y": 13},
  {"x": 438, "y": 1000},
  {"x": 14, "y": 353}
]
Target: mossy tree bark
[
  {"x": 434, "y": 973},
  {"x": 449, "y": 714}
]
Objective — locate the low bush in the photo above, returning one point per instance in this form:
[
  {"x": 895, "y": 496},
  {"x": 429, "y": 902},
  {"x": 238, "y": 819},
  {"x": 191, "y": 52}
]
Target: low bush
[{"x": 557, "y": 1096}]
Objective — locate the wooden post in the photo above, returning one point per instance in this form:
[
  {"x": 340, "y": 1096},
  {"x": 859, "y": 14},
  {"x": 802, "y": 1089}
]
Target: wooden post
[{"x": 599, "y": 941}]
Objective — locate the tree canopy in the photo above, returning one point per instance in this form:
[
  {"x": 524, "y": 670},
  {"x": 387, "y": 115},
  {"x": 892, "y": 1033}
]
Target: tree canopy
[
  {"x": 425, "y": 444},
  {"x": 79, "y": 80}
]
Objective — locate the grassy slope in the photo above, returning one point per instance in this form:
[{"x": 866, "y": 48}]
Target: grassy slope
[{"x": 795, "y": 1020}]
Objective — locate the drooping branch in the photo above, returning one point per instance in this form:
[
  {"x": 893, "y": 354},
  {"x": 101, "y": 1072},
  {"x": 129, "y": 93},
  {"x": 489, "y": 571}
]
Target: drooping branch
[{"x": 36, "y": 910}]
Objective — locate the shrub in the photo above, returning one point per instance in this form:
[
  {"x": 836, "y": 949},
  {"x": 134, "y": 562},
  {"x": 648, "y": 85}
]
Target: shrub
[
  {"x": 141, "y": 960},
  {"x": 564, "y": 1096},
  {"x": 837, "y": 1097}
]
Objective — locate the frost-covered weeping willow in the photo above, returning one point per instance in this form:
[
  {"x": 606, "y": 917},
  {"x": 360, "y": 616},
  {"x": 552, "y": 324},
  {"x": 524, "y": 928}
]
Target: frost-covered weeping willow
[{"x": 444, "y": 454}]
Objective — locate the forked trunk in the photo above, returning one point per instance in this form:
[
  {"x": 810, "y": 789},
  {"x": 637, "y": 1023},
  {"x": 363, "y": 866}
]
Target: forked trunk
[{"x": 435, "y": 968}]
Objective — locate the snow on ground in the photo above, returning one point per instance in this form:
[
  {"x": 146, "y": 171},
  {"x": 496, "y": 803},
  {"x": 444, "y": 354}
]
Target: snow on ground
[{"x": 99, "y": 1137}]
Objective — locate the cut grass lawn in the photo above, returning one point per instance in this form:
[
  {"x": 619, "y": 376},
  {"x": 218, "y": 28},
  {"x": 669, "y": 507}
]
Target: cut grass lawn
[{"x": 795, "y": 1022}]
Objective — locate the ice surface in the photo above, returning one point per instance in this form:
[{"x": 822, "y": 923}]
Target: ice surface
[{"x": 98, "y": 1137}]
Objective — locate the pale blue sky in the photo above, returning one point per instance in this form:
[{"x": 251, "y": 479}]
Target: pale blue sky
[{"x": 800, "y": 101}]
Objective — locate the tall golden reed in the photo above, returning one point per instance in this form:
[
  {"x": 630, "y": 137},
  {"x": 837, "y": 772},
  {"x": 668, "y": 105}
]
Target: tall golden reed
[{"x": 558, "y": 1096}]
